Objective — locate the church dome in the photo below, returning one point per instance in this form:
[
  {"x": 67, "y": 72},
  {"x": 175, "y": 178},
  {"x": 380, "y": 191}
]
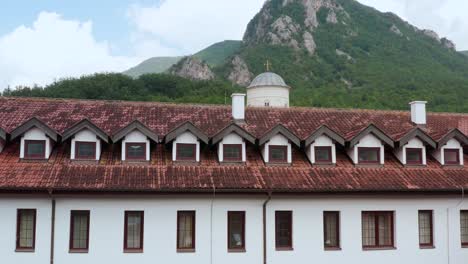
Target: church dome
[{"x": 268, "y": 79}]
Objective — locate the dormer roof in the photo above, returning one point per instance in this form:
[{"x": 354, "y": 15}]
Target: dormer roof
[
  {"x": 456, "y": 134},
  {"x": 32, "y": 123},
  {"x": 374, "y": 130},
  {"x": 324, "y": 130},
  {"x": 2, "y": 134},
  {"x": 417, "y": 133},
  {"x": 85, "y": 124},
  {"x": 233, "y": 128},
  {"x": 184, "y": 127},
  {"x": 280, "y": 129},
  {"x": 135, "y": 125}
]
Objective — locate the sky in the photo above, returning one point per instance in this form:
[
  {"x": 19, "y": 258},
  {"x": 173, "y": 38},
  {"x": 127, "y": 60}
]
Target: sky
[{"x": 43, "y": 41}]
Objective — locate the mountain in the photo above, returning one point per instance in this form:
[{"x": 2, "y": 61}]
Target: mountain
[
  {"x": 152, "y": 65},
  {"x": 465, "y": 52}
]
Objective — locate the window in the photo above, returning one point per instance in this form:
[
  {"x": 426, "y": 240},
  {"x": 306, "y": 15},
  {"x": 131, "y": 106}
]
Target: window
[
  {"x": 331, "y": 228},
  {"x": 26, "y": 229},
  {"x": 464, "y": 227},
  {"x": 283, "y": 226},
  {"x": 85, "y": 150},
  {"x": 369, "y": 155},
  {"x": 425, "y": 229},
  {"x": 377, "y": 229},
  {"x": 323, "y": 154},
  {"x": 414, "y": 156},
  {"x": 34, "y": 149},
  {"x": 236, "y": 230},
  {"x": 79, "y": 231},
  {"x": 135, "y": 151},
  {"x": 186, "y": 230},
  {"x": 278, "y": 153},
  {"x": 232, "y": 152},
  {"x": 451, "y": 156},
  {"x": 186, "y": 151},
  {"x": 133, "y": 233}
]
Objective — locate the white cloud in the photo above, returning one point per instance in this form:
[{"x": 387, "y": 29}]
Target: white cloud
[
  {"x": 53, "y": 48},
  {"x": 189, "y": 26}
]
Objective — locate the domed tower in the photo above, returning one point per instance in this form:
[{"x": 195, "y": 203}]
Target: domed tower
[{"x": 268, "y": 90}]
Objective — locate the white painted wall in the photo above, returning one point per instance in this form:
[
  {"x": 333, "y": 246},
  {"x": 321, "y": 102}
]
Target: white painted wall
[
  {"x": 135, "y": 137},
  {"x": 186, "y": 138},
  {"x": 107, "y": 224},
  {"x": 400, "y": 152},
  {"x": 86, "y": 135},
  {"x": 238, "y": 106},
  {"x": 36, "y": 134},
  {"x": 368, "y": 141},
  {"x": 277, "y": 96},
  {"x": 322, "y": 141},
  {"x": 277, "y": 140},
  {"x": 438, "y": 154},
  {"x": 232, "y": 138}
]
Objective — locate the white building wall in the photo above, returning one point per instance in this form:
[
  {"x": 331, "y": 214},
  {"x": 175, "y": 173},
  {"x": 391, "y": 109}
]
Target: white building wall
[
  {"x": 186, "y": 138},
  {"x": 277, "y": 140},
  {"x": 368, "y": 141},
  {"x": 322, "y": 141},
  {"x": 36, "y": 134},
  {"x": 438, "y": 154},
  {"x": 400, "y": 153},
  {"x": 232, "y": 138},
  {"x": 276, "y": 96},
  {"x": 135, "y": 137},
  {"x": 86, "y": 135},
  {"x": 160, "y": 212}
]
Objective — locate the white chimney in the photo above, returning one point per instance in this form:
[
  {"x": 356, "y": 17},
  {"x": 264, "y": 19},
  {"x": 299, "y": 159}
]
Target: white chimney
[
  {"x": 238, "y": 106},
  {"x": 418, "y": 112}
]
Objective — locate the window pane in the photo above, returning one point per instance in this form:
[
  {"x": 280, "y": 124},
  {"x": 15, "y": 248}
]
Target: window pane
[
  {"x": 464, "y": 227},
  {"x": 377, "y": 229},
  {"x": 85, "y": 149},
  {"x": 323, "y": 154},
  {"x": 35, "y": 149},
  {"x": 232, "y": 152},
  {"x": 236, "y": 222},
  {"x": 368, "y": 230},
  {"x": 414, "y": 156},
  {"x": 385, "y": 230},
  {"x": 186, "y": 151},
  {"x": 80, "y": 227},
  {"x": 283, "y": 229},
  {"x": 369, "y": 155},
  {"x": 451, "y": 156},
  {"x": 136, "y": 150},
  {"x": 26, "y": 228},
  {"x": 278, "y": 153},
  {"x": 186, "y": 230},
  {"x": 425, "y": 227},
  {"x": 331, "y": 229},
  {"x": 134, "y": 230}
]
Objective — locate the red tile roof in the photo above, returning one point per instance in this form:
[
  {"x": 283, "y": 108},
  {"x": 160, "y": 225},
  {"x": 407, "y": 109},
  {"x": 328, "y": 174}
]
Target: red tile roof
[{"x": 162, "y": 175}]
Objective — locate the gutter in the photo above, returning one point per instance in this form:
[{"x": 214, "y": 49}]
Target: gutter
[
  {"x": 52, "y": 228},
  {"x": 264, "y": 228}
]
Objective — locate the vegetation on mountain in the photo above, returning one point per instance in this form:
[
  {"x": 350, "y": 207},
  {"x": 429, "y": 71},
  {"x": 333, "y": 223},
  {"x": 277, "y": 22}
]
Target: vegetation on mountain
[
  {"x": 465, "y": 52},
  {"x": 152, "y": 65}
]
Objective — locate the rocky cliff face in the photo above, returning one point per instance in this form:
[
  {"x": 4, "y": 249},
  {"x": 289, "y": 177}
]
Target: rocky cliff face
[
  {"x": 192, "y": 68},
  {"x": 240, "y": 73}
]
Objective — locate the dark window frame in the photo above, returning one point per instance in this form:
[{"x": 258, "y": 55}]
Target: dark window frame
[
  {"x": 126, "y": 248},
  {"x": 89, "y": 143},
  {"x": 192, "y": 158},
  {"x": 329, "y": 148},
  {"x": 377, "y": 229},
  {"x": 128, "y": 145},
  {"x": 369, "y": 149},
  {"x": 238, "y": 248},
  {"x": 237, "y": 146},
  {"x": 18, "y": 230},
  {"x": 431, "y": 243},
  {"x": 417, "y": 162},
  {"x": 192, "y": 214},
  {"x": 283, "y": 148},
  {"x": 277, "y": 216},
  {"x": 463, "y": 244},
  {"x": 73, "y": 213},
  {"x": 338, "y": 231},
  {"x": 457, "y": 151},
  {"x": 26, "y": 148}
]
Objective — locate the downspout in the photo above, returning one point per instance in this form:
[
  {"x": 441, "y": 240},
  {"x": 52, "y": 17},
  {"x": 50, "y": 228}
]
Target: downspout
[
  {"x": 448, "y": 223},
  {"x": 52, "y": 228},
  {"x": 211, "y": 224},
  {"x": 265, "y": 228}
]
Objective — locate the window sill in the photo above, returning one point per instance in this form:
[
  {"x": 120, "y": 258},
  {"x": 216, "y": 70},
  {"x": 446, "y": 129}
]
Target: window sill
[
  {"x": 408, "y": 165},
  {"x": 34, "y": 160},
  {"x": 465, "y": 246},
  {"x": 284, "y": 249},
  {"x": 332, "y": 248},
  {"x": 378, "y": 248},
  {"x": 25, "y": 250},
  {"x": 278, "y": 164},
  {"x": 84, "y": 161},
  {"x": 186, "y": 162},
  {"x": 324, "y": 164},
  {"x": 185, "y": 250},
  {"x": 369, "y": 165},
  {"x": 236, "y": 250},
  {"x": 232, "y": 162},
  {"x": 453, "y": 166},
  {"x": 426, "y": 247},
  {"x": 133, "y": 251},
  {"x": 77, "y": 251}
]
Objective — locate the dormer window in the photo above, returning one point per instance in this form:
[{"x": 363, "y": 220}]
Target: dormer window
[
  {"x": 414, "y": 156},
  {"x": 277, "y": 145},
  {"x": 368, "y": 155},
  {"x": 34, "y": 149},
  {"x": 278, "y": 154},
  {"x": 135, "y": 151},
  {"x": 85, "y": 146},
  {"x": 232, "y": 152},
  {"x": 452, "y": 156},
  {"x": 232, "y": 143},
  {"x": 368, "y": 146},
  {"x": 323, "y": 154},
  {"x": 186, "y": 152},
  {"x": 85, "y": 150}
]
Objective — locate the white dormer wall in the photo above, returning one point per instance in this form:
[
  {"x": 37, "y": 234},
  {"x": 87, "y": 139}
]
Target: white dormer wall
[
  {"x": 135, "y": 137},
  {"x": 232, "y": 138},
  {"x": 400, "y": 153},
  {"x": 186, "y": 138},
  {"x": 438, "y": 154},
  {"x": 368, "y": 141},
  {"x": 322, "y": 141},
  {"x": 86, "y": 135},
  {"x": 277, "y": 140},
  {"x": 36, "y": 134}
]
